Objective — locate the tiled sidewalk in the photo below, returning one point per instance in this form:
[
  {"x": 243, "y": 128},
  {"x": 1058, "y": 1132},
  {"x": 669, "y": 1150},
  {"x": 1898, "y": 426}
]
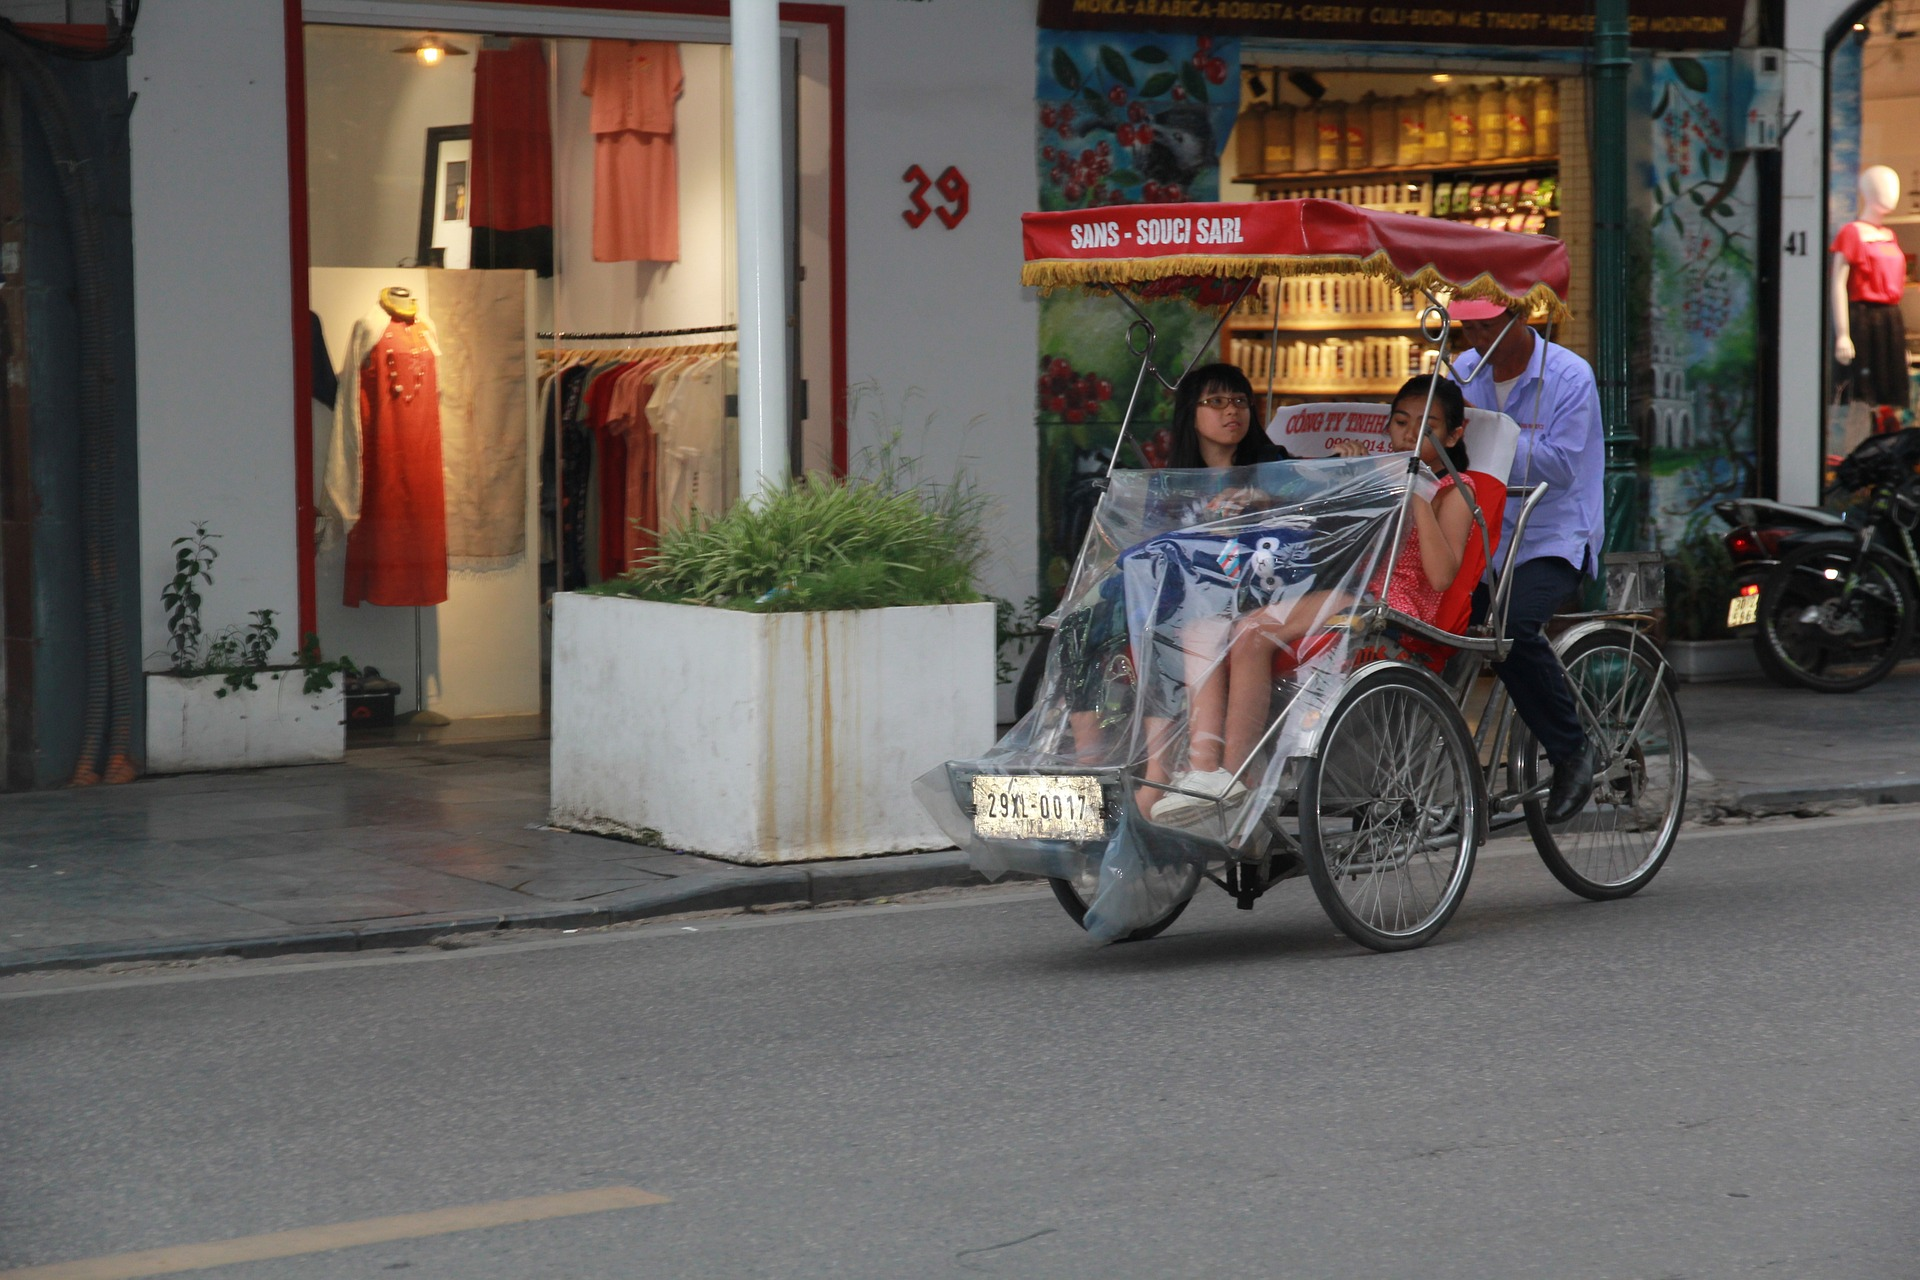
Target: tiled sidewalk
[{"x": 405, "y": 842}]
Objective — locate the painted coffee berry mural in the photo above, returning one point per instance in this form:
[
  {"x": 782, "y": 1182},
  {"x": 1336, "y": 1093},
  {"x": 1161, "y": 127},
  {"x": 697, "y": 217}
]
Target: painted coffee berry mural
[
  {"x": 1121, "y": 119},
  {"x": 1133, "y": 120}
]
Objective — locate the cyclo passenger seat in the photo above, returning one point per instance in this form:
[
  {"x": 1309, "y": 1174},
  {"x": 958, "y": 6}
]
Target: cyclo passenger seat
[{"x": 1492, "y": 440}]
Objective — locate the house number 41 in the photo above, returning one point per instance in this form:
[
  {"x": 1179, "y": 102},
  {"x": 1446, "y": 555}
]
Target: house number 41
[{"x": 952, "y": 186}]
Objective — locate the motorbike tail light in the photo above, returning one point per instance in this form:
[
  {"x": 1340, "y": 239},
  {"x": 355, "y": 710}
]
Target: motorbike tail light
[
  {"x": 1743, "y": 545},
  {"x": 1770, "y": 540},
  {"x": 1750, "y": 589}
]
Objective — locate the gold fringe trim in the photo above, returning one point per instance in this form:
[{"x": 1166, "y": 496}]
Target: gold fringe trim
[{"x": 1055, "y": 273}]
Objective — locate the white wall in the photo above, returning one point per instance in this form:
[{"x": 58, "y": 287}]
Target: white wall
[
  {"x": 1803, "y": 199},
  {"x": 937, "y": 319},
  {"x": 213, "y": 306}
]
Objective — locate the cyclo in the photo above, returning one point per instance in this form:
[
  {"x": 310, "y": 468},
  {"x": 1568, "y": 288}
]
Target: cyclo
[{"x": 1367, "y": 776}]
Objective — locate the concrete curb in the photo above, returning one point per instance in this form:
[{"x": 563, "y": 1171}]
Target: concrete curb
[
  {"x": 741, "y": 888},
  {"x": 813, "y": 884},
  {"x": 1763, "y": 801}
]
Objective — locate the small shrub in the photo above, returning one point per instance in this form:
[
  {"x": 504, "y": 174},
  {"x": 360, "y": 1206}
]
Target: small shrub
[
  {"x": 821, "y": 544},
  {"x": 235, "y": 654},
  {"x": 1699, "y": 582}
]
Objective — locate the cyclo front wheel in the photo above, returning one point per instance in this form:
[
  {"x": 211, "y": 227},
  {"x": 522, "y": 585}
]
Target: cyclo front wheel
[
  {"x": 1833, "y": 620},
  {"x": 1618, "y": 842},
  {"x": 1391, "y": 810}
]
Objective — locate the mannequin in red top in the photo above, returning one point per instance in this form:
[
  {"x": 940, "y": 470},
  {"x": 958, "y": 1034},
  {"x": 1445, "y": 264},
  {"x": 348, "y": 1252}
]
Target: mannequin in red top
[{"x": 1869, "y": 277}]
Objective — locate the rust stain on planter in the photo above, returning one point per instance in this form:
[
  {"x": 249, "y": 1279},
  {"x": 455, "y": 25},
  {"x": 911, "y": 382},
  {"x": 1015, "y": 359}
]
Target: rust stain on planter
[{"x": 829, "y": 768}]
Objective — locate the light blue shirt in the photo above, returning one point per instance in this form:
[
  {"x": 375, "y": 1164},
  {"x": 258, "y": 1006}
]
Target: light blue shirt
[{"x": 1561, "y": 442}]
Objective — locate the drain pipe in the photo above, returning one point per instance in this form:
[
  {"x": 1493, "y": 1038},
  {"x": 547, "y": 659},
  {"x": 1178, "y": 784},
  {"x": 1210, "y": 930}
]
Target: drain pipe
[{"x": 107, "y": 722}]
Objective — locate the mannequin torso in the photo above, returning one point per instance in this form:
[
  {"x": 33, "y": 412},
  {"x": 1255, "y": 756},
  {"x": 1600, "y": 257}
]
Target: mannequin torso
[{"x": 1868, "y": 244}]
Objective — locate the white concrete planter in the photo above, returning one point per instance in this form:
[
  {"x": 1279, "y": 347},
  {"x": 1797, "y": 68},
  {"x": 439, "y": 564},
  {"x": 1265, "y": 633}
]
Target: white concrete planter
[
  {"x": 1705, "y": 661},
  {"x": 763, "y": 737},
  {"x": 190, "y": 729}
]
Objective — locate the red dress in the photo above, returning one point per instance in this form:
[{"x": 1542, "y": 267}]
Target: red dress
[
  {"x": 512, "y": 182},
  {"x": 397, "y": 551},
  {"x": 1409, "y": 591}
]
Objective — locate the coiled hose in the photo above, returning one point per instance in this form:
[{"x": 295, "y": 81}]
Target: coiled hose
[{"x": 107, "y": 725}]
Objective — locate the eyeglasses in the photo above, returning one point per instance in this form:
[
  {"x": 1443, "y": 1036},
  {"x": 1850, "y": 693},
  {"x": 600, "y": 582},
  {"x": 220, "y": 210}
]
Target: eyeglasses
[{"x": 1226, "y": 402}]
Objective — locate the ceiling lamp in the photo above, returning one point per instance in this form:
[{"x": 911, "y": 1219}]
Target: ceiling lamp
[{"x": 430, "y": 50}]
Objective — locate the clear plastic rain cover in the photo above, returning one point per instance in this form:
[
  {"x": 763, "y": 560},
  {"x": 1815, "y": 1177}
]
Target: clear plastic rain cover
[{"x": 1199, "y": 634}]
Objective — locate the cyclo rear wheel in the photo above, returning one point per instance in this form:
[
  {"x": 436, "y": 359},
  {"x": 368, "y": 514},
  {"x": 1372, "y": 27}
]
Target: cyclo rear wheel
[
  {"x": 1391, "y": 809},
  {"x": 1618, "y": 842}
]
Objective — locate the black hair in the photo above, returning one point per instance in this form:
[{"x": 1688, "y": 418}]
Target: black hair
[
  {"x": 1453, "y": 409},
  {"x": 1253, "y": 447}
]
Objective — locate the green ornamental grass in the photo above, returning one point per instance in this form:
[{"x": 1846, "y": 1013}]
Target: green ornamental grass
[{"x": 820, "y": 544}]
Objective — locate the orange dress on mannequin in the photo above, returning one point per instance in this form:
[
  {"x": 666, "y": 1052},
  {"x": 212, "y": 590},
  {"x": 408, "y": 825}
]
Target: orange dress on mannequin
[
  {"x": 636, "y": 187},
  {"x": 397, "y": 550}
]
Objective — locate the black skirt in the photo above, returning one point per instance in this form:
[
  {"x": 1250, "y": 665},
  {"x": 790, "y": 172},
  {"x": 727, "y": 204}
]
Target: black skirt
[{"x": 1878, "y": 374}]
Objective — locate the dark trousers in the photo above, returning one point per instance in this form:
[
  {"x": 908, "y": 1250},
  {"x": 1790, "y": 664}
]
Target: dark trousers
[{"x": 1531, "y": 673}]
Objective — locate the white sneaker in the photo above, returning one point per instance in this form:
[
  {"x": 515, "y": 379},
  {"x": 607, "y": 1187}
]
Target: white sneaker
[{"x": 1176, "y": 810}]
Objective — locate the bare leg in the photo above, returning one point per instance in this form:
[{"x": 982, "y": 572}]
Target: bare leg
[
  {"x": 1159, "y": 733},
  {"x": 1089, "y": 746},
  {"x": 1250, "y": 691},
  {"x": 1205, "y": 645},
  {"x": 1250, "y": 682}
]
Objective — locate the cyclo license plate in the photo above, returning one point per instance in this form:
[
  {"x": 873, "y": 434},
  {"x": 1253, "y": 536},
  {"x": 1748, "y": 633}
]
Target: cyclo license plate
[
  {"x": 1743, "y": 611},
  {"x": 1038, "y": 807}
]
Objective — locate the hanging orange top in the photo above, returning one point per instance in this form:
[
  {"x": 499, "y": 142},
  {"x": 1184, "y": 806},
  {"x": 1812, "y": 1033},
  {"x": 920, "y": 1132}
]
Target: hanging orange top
[
  {"x": 633, "y": 84},
  {"x": 636, "y": 188}
]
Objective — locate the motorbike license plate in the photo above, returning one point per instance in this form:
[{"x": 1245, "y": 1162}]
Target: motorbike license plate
[
  {"x": 1743, "y": 611},
  {"x": 1038, "y": 807}
]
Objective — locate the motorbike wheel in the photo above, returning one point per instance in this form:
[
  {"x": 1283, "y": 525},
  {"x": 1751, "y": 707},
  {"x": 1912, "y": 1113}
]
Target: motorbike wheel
[
  {"x": 1618, "y": 843},
  {"x": 1075, "y": 897},
  {"x": 1816, "y": 633}
]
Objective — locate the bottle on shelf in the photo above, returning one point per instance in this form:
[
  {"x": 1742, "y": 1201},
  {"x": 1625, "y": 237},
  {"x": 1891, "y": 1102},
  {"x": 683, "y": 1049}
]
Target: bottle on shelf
[
  {"x": 1546, "y": 117},
  {"x": 1359, "y": 118},
  {"x": 1383, "y": 134},
  {"x": 1462, "y": 107},
  {"x": 1306, "y": 138},
  {"x": 1250, "y": 139},
  {"x": 1330, "y": 119},
  {"x": 1520, "y": 120},
  {"x": 1277, "y": 125},
  {"x": 1490, "y": 123},
  {"x": 1435, "y": 135},
  {"x": 1410, "y": 112}
]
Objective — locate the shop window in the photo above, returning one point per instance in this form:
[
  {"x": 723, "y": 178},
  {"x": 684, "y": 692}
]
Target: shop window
[{"x": 522, "y": 280}]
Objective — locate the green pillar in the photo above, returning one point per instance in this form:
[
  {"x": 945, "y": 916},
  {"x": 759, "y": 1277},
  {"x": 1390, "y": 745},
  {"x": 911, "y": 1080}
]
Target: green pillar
[{"x": 1611, "y": 63}]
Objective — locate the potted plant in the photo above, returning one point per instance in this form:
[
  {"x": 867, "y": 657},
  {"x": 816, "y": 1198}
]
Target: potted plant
[
  {"x": 1699, "y": 583},
  {"x": 766, "y": 686},
  {"x": 222, "y": 703}
]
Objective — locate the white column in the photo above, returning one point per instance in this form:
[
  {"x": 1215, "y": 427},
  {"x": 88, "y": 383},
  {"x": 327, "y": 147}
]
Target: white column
[
  {"x": 1804, "y": 350},
  {"x": 760, "y": 207}
]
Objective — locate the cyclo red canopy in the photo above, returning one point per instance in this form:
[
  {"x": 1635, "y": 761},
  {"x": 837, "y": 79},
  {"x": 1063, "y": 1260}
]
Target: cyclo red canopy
[{"x": 1175, "y": 247}]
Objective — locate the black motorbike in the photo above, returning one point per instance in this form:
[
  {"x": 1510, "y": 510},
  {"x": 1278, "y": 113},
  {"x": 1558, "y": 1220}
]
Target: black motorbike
[{"x": 1831, "y": 598}]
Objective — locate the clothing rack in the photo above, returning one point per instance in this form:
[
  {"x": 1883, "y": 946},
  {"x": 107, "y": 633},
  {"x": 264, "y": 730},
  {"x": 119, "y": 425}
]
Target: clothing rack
[{"x": 642, "y": 333}]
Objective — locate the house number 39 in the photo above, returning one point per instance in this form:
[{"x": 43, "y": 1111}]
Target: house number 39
[{"x": 952, "y": 186}]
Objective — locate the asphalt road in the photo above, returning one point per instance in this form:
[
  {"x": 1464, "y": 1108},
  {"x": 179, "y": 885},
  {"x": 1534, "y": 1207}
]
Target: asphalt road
[{"x": 1716, "y": 1078}]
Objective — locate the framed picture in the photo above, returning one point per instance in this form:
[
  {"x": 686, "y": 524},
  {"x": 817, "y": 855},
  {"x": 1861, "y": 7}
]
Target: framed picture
[{"x": 446, "y": 238}]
